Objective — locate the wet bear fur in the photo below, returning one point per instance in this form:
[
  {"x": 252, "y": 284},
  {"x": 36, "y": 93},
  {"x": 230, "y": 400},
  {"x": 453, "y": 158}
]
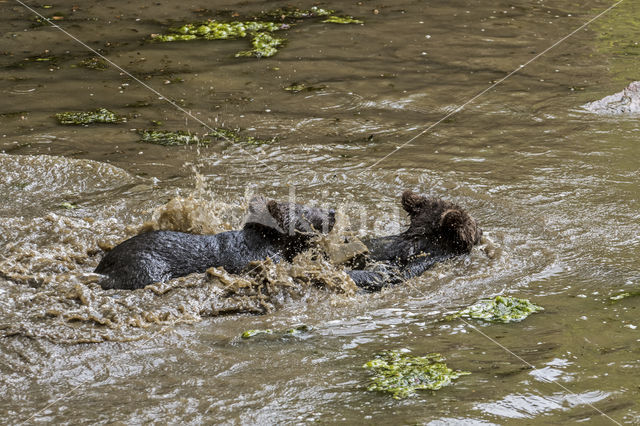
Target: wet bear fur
[
  {"x": 438, "y": 230},
  {"x": 273, "y": 229}
]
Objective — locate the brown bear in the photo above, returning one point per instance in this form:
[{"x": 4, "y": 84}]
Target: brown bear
[{"x": 438, "y": 230}]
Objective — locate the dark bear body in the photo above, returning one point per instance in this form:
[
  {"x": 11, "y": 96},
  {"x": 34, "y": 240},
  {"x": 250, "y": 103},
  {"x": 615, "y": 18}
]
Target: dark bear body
[
  {"x": 275, "y": 230},
  {"x": 438, "y": 230}
]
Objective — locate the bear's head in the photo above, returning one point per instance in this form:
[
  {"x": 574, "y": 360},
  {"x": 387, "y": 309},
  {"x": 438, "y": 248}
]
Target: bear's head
[{"x": 438, "y": 225}]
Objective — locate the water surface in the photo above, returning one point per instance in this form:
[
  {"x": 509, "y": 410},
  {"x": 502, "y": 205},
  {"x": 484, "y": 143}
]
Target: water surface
[{"x": 555, "y": 189}]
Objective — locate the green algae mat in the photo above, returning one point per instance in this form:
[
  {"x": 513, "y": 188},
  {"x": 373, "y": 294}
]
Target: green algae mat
[
  {"x": 401, "y": 375},
  {"x": 263, "y": 42},
  {"x": 500, "y": 309},
  {"x": 181, "y": 137},
  {"x": 100, "y": 115},
  {"x": 171, "y": 138}
]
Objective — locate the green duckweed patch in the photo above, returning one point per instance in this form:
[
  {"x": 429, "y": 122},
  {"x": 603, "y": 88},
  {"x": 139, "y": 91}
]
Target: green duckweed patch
[
  {"x": 262, "y": 42},
  {"x": 259, "y": 31},
  {"x": 252, "y": 333},
  {"x": 213, "y": 30},
  {"x": 401, "y": 375},
  {"x": 342, "y": 20},
  {"x": 624, "y": 295},
  {"x": 501, "y": 309},
  {"x": 264, "y": 45},
  {"x": 171, "y": 138},
  {"x": 100, "y": 115}
]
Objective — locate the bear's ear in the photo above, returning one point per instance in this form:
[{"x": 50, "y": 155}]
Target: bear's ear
[
  {"x": 280, "y": 213},
  {"x": 261, "y": 214},
  {"x": 412, "y": 202},
  {"x": 459, "y": 230}
]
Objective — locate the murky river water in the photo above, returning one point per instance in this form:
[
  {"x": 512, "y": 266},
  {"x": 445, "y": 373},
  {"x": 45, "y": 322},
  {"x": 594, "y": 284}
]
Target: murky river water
[{"x": 555, "y": 189}]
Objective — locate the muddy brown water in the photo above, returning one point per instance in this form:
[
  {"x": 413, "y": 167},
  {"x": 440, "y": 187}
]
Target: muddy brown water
[{"x": 555, "y": 189}]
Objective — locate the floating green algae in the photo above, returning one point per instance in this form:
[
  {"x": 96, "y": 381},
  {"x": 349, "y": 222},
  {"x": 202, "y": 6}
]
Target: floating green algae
[
  {"x": 101, "y": 115},
  {"x": 181, "y": 137},
  {"x": 213, "y": 30},
  {"x": 251, "y": 333},
  {"x": 624, "y": 295},
  {"x": 342, "y": 20},
  {"x": 264, "y": 45},
  {"x": 68, "y": 206},
  {"x": 284, "y": 13},
  {"x": 260, "y": 31},
  {"x": 502, "y": 309},
  {"x": 173, "y": 37},
  {"x": 400, "y": 374},
  {"x": 171, "y": 138},
  {"x": 262, "y": 42}
]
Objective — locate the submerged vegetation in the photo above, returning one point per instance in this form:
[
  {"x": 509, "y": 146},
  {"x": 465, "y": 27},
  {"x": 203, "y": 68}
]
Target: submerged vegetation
[
  {"x": 624, "y": 295},
  {"x": 260, "y": 32},
  {"x": 401, "y": 374},
  {"x": 499, "y": 309},
  {"x": 101, "y": 115},
  {"x": 251, "y": 333},
  {"x": 181, "y": 137},
  {"x": 342, "y": 20},
  {"x": 171, "y": 138},
  {"x": 288, "y": 13},
  {"x": 617, "y": 36}
]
